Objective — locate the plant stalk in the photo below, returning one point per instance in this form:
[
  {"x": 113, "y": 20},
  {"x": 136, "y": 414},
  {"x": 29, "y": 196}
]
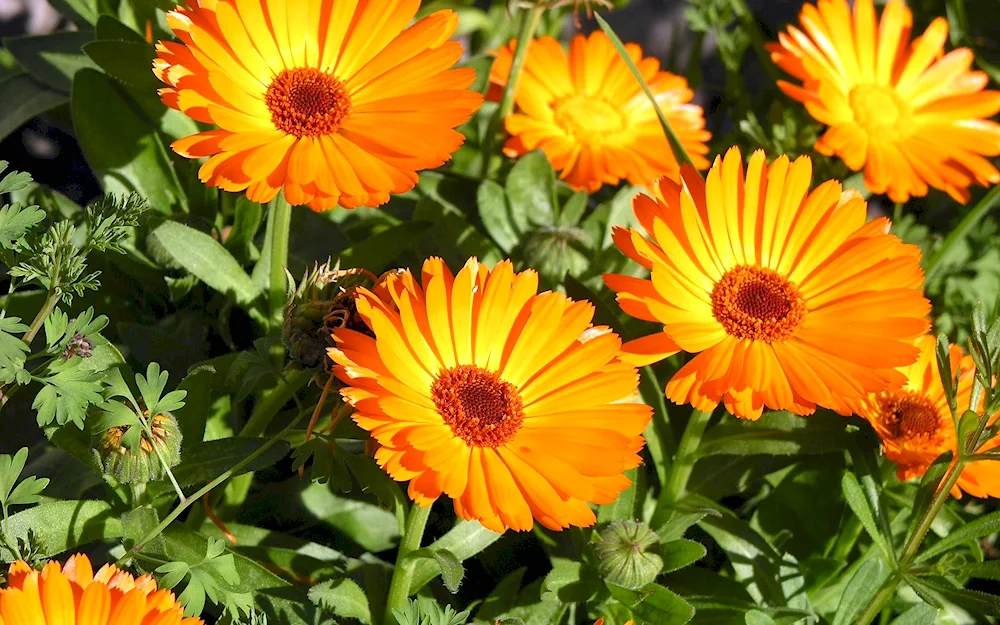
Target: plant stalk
[
  {"x": 526, "y": 32},
  {"x": 680, "y": 470},
  {"x": 971, "y": 218},
  {"x": 187, "y": 501},
  {"x": 402, "y": 575},
  {"x": 51, "y": 301},
  {"x": 280, "y": 225}
]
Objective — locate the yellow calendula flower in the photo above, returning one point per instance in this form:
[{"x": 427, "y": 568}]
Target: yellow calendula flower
[{"x": 896, "y": 108}]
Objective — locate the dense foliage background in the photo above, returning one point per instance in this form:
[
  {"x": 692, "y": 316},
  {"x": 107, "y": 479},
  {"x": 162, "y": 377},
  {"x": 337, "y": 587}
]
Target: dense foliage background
[{"x": 784, "y": 520}]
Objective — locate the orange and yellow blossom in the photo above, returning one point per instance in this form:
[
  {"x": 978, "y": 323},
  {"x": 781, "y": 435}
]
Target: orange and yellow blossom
[
  {"x": 74, "y": 593},
  {"x": 916, "y": 426},
  {"x": 911, "y": 116},
  {"x": 333, "y": 101},
  {"x": 789, "y": 299},
  {"x": 590, "y": 117},
  {"x": 507, "y": 400}
]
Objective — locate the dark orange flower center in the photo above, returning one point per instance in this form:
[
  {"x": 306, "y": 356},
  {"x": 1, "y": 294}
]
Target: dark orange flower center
[
  {"x": 480, "y": 408},
  {"x": 757, "y": 304},
  {"x": 306, "y": 102},
  {"x": 908, "y": 417}
]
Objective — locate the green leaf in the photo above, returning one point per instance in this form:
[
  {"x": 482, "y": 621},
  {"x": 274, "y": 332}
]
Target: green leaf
[
  {"x": 984, "y": 570},
  {"x": 465, "y": 540},
  {"x": 654, "y": 605},
  {"x": 777, "y": 433},
  {"x": 207, "y": 259},
  {"x": 52, "y": 59},
  {"x": 21, "y": 98},
  {"x": 13, "y": 493},
  {"x": 67, "y": 393},
  {"x": 983, "y": 526},
  {"x": 680, "y": 553},
  {"x": 198, "y": 403},
  {"x": 967, "y": 425},
  {"x": 136, "y": 160},
  {"x": 972, "y": 600},
  {"x": 920, "y": 614},
  {"x": 13, "y": 350},
  {"x": 860, "y": 590},
  {"x": 368, "y": 525},
  {"x": 756, "y": 617},
  {"x": 16, "y": 220},
  {"x": 572, "y": 210},
  {"x": 59, "y": 526},
  {"x": 137, "y": 524},
  {"x": 342, "y": 597},
  {"x": 451, "y": 567},
  {"x": 493, "y": 211},
  {"x": 530, "y": 190},
  {"x": 626, "y": 505},
  {"x": 680, "y": 522},
  {"x": 377, "y": 253},
  {"x": 862, "y": 509},
  {"x": 128, "y": 61},
  {"x": 204, "y": 461}
]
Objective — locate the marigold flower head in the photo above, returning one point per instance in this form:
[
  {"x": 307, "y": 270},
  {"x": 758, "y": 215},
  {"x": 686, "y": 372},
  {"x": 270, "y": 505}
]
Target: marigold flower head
[
  {"x": 590, "y": 117},
  {"x": 334, "y": 101},
  {"x": 74, "y": 593},
  {"x": 787, "y": 296},
  {"x": 507, "y": 400},
  {"x": 910, "y": 117},
  {"x": 916, "y": 426}
]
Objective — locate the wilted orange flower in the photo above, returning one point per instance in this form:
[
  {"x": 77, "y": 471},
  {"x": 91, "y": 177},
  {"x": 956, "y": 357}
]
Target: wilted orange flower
[
  {"x": 59, "y": 595},
  {"x": 792, "y": 300},
  {"x": 909, "y": 116},
  {"x": 916, "y": 426},
  {"x": 331, "y": 100},
  {"x": 589, "y": 115},
  {"x": 507, "y": 400}
]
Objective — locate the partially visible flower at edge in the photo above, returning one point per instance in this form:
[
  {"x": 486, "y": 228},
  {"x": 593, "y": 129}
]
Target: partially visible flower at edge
[
  {"x": 508, "y": 401},
  {"x": 910, "y": 117},
  {"x": 916, "y": 426},
  {"x": 788, "y": 297},
  {"x": 64, "y": 594},
  {"x": 341, "y": 109},
  {"x": 589, "y": 115}
]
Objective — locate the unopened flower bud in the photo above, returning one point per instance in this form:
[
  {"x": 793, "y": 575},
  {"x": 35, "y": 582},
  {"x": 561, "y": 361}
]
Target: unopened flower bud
[
  {"x": 629, "y": 554},
  {"x": 78, "y": 345},
  {"x": 140, "y": 464}
]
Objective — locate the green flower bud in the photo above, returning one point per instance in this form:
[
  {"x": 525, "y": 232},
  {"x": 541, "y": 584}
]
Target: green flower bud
[
  {"x": 629, "y": 554},
  {"x": 138, "y": 463}
]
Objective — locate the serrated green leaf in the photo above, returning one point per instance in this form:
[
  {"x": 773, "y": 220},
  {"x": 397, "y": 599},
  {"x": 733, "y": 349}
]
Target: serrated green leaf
[
  {"x": 173, "y": 573},
  {"x": 16, "y": 221},
  {"x": 66, "y": 394},
  {"x": 342, "y": 597}
]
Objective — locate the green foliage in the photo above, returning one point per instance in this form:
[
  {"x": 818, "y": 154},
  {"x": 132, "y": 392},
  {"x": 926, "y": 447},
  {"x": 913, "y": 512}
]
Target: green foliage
[{"x": 427, "y": 612}]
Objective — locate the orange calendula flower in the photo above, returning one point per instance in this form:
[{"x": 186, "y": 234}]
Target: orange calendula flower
[
  {"x": 909, "y": 116},
  {"x": 590, "y": 117},
  {"x": 74, "y": 593},
  {"x": 915, "y": 422},
  {"x": 792, "y": 300},
  {"x": 507, "y": 400},
  {"x": 335, "y": 101}
]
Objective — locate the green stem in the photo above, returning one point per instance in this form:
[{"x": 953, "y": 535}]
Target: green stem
[
  {"x": 687, "y": 449},
  {"x": 888, "y": 590},
  {"x": 187, "y": 501},
  {"x": 402, "y": 575},
  {"x": 680, "y": 152},
  {"x": 280, "y": 225},
  {"x": 978, "y": 211},
  {"x": 529, "y": 24},
  {"x": 51, "y": 300}
]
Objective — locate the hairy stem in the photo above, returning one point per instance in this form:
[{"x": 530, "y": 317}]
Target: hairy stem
[
  {"x": 529, "y": 24},
  {"x": 684, "y": 459},
  {"x": 402, "y": 575}
]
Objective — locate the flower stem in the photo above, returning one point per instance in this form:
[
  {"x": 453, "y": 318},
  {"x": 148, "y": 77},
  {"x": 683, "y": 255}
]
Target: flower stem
[
  {"x": 402, "y": 575},
  {"x": 51, "y": 301},
  {"x": 529, "y": 24},
  {"x": 978, "y": 211},
  {"x": 684, "y": 459},
  {"x": 187, "y": 501},
  {"x": 280, "y": 225},
  {"x": 888, "y": 589}
]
